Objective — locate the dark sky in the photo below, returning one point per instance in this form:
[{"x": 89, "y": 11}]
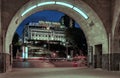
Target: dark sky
[{"x": 46, "y": 15}]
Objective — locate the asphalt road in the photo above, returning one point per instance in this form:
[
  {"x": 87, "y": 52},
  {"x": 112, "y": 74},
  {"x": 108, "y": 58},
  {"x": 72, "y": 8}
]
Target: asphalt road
[
  {"x": 59, "y": 73},
  {"x": 46, "y": 69},
  {"x": 44, "y": 64}
]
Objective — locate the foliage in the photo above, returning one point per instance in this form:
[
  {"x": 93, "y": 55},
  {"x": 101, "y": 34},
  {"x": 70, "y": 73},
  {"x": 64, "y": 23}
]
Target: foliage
[
  {"x": 77, "y": 38},
  {"x": 15, "y": 40}
]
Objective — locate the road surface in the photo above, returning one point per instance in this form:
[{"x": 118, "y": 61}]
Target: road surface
[
  {"x": 46, "y": 69},
  {"x": 59, "y": 73}
]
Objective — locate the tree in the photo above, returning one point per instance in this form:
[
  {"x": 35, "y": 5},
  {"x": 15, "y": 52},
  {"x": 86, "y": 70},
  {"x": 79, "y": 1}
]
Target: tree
[
  {"x": 77, "y": 38},
  {"x": 15, "y": 43},
  {"x": 15, "y": 40}
]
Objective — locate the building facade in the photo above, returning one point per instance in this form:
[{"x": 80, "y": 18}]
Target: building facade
[
  {"x": 48, "y": 31},
  {"x": 43, "y": 31}
]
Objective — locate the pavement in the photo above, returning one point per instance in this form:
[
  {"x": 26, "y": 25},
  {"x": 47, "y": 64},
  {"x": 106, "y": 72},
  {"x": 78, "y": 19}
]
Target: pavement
[
  {"x": 74, "y": 72},
  {"x": 57, "y": 69}
]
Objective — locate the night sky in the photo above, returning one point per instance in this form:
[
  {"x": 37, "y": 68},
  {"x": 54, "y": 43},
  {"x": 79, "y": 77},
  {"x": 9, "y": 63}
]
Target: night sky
[{"x": 46, "y": 15}]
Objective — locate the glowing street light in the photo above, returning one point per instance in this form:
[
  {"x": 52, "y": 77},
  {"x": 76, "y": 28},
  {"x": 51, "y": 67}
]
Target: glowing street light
[
  {"x": 46, "y": 3},
  {"x": 82, "y": 13},
  {"x": 28, "y": 10},
  {"x": 64, "y": 4}
]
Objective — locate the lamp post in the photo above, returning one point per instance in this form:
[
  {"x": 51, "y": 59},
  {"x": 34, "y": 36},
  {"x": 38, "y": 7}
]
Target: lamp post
[
  {"x": 66, "y": 44},
  {"x": 48, "y": 28},
  {"x": 44, "y": 48}
]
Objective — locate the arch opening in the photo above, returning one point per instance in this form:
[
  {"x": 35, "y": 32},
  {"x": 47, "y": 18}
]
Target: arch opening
[
  {"x": 75, "y": 40},
  {"x": 89, "y": 26}
]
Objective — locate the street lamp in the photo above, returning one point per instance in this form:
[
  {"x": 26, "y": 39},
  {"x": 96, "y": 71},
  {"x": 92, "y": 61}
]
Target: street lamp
[
  {"x": 66, "y": 44},
  {"x": 44, "y": 48},
  {"x": 48, "y": 38}
]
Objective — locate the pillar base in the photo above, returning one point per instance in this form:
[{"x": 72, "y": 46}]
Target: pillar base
[
  {"x": 115, "y": 61},
  {"x": 5, "y": 62},
  {"x": 112, "y": 64}
]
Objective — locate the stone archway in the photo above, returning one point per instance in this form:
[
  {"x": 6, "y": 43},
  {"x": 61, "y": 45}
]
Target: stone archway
[{"x": 93, "y": 27}]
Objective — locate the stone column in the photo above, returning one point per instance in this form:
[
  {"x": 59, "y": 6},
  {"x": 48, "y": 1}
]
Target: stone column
[
  {"x": 4, "y": 57},
  {"x": 1, "y": 58},
  {"x": 115, "y": 54},
  {"x": 0, "y": 26}
]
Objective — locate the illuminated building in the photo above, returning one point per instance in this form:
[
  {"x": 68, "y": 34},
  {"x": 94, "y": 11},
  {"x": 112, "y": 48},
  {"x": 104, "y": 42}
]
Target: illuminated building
[
  {"x": 49, "y": 31},
  {"x": 43, "y": 31}
]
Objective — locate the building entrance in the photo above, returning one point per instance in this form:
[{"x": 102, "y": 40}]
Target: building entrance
[{"x": 98, "y": 56}]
